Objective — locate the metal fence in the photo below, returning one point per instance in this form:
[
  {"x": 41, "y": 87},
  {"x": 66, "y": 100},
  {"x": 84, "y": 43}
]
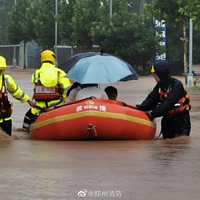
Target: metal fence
[
  {"x": 30, "y": 56},
  {"x": 33, "y": 51},
  {"x": 7, "y": 51},
  {"x": 65, "y": 52}
]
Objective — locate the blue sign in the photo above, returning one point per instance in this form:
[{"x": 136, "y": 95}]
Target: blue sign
[{"x": 162, "y": 33}]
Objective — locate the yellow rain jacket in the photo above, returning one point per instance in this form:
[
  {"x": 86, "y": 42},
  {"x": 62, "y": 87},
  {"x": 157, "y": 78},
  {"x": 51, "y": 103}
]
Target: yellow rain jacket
[
  {"x": 50, "y": 76},
  {"x": 14, "y": 90}
]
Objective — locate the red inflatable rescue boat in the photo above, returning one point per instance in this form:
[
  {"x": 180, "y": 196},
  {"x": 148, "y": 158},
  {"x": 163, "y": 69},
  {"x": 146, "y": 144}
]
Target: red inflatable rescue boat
[{"x": 98, "y": 119}]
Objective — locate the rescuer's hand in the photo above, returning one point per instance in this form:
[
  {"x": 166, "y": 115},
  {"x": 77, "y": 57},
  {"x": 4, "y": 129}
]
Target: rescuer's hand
[
  {"x": 31, "y": 103},
  {"x": 140, "y": 107},
  {"x": 150, "y": 116}
]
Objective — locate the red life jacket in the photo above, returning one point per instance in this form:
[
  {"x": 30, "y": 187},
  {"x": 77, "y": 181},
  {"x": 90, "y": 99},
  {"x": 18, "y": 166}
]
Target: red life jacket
[
  {"x": 5, "y": 105},
  {"x": 183, "y": 104},
  {"x": 42, "y": 93}
]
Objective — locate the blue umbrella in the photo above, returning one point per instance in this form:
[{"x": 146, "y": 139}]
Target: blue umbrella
[{"x": 91, "y": 67}]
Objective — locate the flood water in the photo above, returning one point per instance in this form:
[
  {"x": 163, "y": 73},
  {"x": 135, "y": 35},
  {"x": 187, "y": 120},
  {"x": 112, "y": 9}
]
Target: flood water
[
  {"x": 130, "y": 170},
  {"x": 157, "y": 169}
]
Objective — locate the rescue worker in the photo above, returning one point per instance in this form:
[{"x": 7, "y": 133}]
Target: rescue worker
[
  {"x": 170, "y": 100},
  {"x": 50, "y": 90},
  {"x": 7, "y": 84}
]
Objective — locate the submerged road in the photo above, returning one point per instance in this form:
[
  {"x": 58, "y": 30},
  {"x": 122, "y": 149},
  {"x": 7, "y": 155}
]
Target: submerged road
[{"x": 70, "y": 170}]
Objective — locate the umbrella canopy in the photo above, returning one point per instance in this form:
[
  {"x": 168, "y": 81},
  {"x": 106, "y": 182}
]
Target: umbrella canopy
[{"x": 92, "y": 67}]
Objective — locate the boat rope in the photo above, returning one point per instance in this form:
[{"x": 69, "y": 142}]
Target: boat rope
[{"x": 91, "y": 128}]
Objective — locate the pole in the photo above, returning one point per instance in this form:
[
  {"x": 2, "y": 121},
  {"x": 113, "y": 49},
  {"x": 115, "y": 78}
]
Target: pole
[
  {"x": 190, "y": 74},
  {"x": 141, "y": 10},
  {"x": 56, "y": 30},
  {"x": 14, "y": 48},
  {"x": 111, "y": 9}
]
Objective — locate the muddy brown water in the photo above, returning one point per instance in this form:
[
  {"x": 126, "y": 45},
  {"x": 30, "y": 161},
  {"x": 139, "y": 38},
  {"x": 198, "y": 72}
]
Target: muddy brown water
[{"x": 128, "y": 170}]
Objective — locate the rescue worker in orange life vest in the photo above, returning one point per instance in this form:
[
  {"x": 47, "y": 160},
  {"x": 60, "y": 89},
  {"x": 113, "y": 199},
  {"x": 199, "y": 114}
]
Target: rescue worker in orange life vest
[
  {"x": 170, "y": 100},
  {"x": 7, "y": 84},
  {"x": 51, "y": 87}
]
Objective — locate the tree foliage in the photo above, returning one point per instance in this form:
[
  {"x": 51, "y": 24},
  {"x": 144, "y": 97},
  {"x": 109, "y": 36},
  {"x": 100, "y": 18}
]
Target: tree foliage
[
  {"x": 192, "y": 10},
  {"x": 65, "y": 15},
  {"x": 169, "y": 10},
  {"x": 84, "y": 23},
  {"x": 44, "y": 23},
  {"x": 20, "y": 27},
  {"x": 132, "y": 40},
  {"x": 5, "y": 7},
  {"x": 86, "y": 12}
]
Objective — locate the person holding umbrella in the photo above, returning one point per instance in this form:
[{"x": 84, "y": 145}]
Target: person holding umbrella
[{"x": 169, "y": 100}]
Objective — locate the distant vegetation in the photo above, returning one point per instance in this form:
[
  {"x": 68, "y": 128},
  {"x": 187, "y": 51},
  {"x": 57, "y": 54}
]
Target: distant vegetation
[{"x": 129, "y": 33}]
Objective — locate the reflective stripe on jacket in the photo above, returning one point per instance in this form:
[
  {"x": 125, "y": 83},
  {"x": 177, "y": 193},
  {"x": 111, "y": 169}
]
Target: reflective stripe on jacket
[
  {"x": 5, "y": 104},
  {"x": 14, "y": 90},
  {"x": 183, "y": 104},
  {"x": 50, "y": 76}
]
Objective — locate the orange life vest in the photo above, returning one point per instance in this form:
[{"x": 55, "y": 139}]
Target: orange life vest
[
  {"x": 183, "y": 104},
  {"x": 42, "y": 93},
  {"x": 5, "y": 105}
]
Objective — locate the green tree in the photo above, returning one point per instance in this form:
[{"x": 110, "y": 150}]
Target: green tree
[
  {"x": 191, "y": 9},
  {"x": 6, "y": 6},
  {"x": 134, "y": 6},
  {"x": 44, "y": 23},
  {"x": 196, "y": 47},
  {"x": 86, "y": 12},
  {"x": 134, "y": 41},
  {"x": 65, "y": 15},
  {"x": 174, "y": 46},
  {"x": 20, "y": 26},
  {"x": 170, "y": 11},
  {"x": 127, "y": 35}
]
